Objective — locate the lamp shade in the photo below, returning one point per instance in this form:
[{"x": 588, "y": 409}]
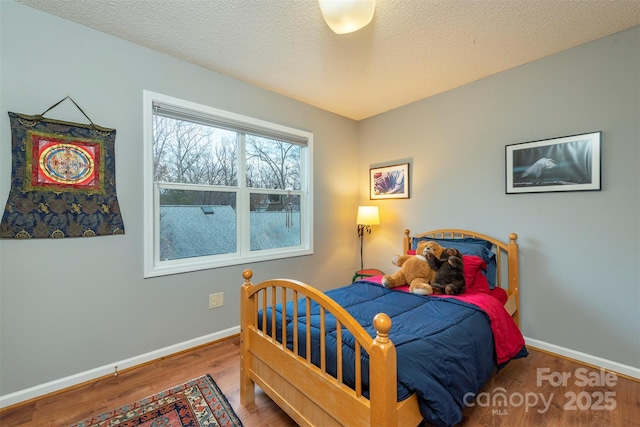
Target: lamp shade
[
  {"x": 347, "y": 16},
  {"x": 368, "y": 215}
]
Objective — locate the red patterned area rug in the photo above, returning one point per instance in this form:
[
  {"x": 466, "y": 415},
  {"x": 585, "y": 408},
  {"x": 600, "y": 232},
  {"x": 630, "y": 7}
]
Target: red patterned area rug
[{"x": 198, "y": 403}]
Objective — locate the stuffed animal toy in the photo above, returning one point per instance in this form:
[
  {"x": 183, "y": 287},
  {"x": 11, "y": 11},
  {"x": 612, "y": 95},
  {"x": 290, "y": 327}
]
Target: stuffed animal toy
[
  {"x": 414, "y": 269},
  {"x": 449, "y": 278}
]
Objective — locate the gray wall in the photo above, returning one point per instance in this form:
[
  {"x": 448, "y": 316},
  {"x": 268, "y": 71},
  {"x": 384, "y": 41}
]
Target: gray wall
[
  {"x": 71, "y": 305},
  {"x": 580, "y": 278}
]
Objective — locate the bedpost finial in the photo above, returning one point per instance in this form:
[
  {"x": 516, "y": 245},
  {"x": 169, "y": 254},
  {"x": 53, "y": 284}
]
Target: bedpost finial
[
  {"x": 407, "y": 232},
  {"x": 382, "y": 323},
  {"x": 247, "y": 274},
  {"x": 513, "y": 237}
]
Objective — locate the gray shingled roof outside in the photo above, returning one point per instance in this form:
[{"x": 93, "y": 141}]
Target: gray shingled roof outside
[{"x": 187, "y": 231}]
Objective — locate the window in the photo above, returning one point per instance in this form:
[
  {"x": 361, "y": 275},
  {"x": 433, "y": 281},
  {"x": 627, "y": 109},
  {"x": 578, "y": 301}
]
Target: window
[{"x": 222, "y": 189}]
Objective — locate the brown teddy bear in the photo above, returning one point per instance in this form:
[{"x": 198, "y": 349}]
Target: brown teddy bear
[
  {"x": 414, "y": 269},
  {"x": 449, "y": 278}
]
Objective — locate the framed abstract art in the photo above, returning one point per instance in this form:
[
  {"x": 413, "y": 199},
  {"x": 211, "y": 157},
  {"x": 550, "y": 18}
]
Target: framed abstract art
[{"x": 389, "y": 182}]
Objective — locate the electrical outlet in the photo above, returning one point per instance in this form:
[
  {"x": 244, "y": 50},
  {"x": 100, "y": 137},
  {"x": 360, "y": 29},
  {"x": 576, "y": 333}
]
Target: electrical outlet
[{"x": 216, "y": 300}]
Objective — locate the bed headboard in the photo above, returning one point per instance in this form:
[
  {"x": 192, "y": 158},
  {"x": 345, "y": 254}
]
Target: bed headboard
[{"x": 507, "y": 260}]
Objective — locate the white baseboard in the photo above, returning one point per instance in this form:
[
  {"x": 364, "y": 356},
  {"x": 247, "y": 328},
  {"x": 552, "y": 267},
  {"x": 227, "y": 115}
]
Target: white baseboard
[
  {"x": 627, "y": 370},
  {"x": 92, "y": 374}
]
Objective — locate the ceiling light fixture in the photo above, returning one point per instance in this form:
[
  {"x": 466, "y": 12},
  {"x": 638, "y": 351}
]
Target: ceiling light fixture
[{"x": 347, "y": 16}]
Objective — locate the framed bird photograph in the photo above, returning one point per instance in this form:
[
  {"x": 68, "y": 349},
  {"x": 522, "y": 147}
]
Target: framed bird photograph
[{"x": 569, "y": 163}]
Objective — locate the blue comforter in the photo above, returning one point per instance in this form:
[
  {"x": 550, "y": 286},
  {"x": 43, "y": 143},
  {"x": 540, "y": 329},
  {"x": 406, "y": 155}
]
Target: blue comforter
[{"x": 444, "y": 347}]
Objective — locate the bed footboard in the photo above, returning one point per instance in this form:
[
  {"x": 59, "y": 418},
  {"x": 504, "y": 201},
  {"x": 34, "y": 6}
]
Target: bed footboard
[{"x": 308, "y": 393}]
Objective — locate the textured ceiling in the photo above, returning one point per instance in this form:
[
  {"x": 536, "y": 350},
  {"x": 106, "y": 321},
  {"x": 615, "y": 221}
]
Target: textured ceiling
[{"x": 412, "y": 49}]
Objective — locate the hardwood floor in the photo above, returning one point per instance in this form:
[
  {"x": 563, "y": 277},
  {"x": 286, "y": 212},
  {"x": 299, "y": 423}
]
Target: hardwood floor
[
  {"x": 590, "y": 397},
  {"x": 221, "y": 360},
  {"x": 532, "y": 398}
]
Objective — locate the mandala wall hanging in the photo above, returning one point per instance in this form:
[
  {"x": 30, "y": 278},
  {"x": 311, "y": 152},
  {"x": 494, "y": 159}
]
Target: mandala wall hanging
[{"x": 63, "y": 179}]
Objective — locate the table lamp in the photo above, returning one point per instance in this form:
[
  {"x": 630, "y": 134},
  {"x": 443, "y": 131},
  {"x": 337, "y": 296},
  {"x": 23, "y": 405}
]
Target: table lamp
[{"x": 367, "y": 216}]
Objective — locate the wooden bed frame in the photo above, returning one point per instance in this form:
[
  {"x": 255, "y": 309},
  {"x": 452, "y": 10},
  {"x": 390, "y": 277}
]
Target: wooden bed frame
[{"x": 310, "y": 395}]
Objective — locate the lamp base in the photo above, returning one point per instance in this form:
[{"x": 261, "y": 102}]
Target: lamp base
[{"x": 361, "y": 229}]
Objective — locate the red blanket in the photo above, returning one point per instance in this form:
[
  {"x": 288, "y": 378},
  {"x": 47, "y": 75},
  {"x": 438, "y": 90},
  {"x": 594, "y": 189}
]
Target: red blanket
[{"x": 508, "y": 339}]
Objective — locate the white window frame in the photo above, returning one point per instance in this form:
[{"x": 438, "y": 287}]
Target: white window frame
[{"x": 153, "y": 266}]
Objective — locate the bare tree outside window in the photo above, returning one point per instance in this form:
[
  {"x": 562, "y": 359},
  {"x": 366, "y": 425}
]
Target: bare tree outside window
[
  {"x": 192, "y": 153},
  {"x": 272, "y": 164}
]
